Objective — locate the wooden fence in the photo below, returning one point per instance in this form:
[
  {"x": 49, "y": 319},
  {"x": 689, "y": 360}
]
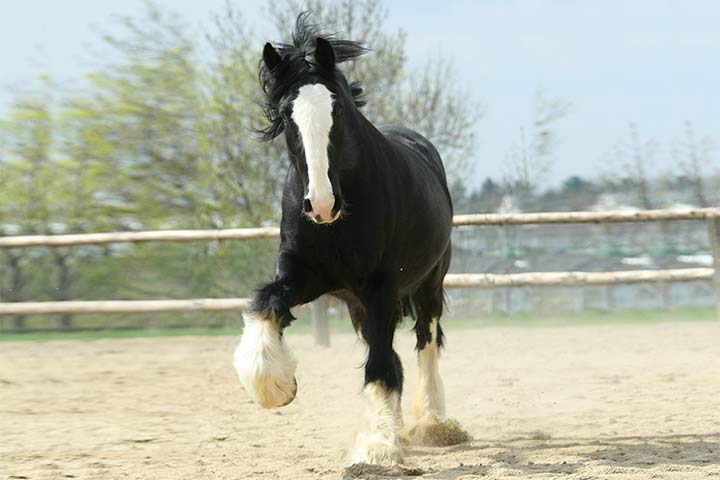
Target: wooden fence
[{"x": 481, "y": 280}]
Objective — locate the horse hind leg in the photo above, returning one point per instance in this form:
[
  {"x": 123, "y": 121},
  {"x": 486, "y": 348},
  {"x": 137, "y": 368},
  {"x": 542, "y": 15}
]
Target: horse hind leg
[
  {"x": 433, "y": 427},
  {"x": 429, "y": 401}
]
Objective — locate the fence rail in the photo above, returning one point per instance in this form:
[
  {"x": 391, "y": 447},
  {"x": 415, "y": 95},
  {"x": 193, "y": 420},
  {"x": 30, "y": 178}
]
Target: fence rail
[
  {"x": 585, "y": 217},
  {"x": 124, "y": 306},
  {"x": 76, "y": 240},
  {"x": 470, "y": 280},
  {"x": 490, "y": 219},
  {"x": 574, "y": 279},
  {"x": 484, "y": 280}
]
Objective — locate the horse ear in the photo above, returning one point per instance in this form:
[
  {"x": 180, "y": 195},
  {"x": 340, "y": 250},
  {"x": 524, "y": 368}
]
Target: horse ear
[
  {"x": 271, "y": 57},
  {"x": 324, "y": 54}
]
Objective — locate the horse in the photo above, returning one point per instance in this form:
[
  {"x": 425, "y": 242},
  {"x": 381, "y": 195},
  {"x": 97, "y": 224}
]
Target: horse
[{"x": 366, "y": 217}]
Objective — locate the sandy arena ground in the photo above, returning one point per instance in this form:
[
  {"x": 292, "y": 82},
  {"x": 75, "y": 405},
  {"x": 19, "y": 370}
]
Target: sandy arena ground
[{"x": 633, "y": 401}]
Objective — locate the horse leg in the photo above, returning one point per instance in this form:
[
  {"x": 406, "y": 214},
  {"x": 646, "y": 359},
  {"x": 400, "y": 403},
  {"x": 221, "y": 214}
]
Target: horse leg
[
  {"x": 263, "y": 361},
  {"x": 433, "y": 427},
  {"x": 429, "y": 401},
  {"x": 358, "y": 315},
  {"x": 378, "y": 440}
]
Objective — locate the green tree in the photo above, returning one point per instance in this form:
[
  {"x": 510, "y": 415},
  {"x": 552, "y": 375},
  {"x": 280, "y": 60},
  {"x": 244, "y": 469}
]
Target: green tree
[
  {"x": 531, "y": 157},
  {"x": 152, "y": 104},
  {"x": 27, "y": 177},
  {"x": 633, "y": 161},
  {"x": 246, "y": 181},
  {"x": 694, "y": 157}
]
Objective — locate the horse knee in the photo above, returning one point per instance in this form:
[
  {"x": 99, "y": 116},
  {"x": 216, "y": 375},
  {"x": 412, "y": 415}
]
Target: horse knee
[{"x": 273, "y": 302}]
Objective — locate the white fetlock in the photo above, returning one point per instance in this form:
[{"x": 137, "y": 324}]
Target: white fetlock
[
  {"x": 377, "y": 443},
  {"x": 265, "y": 364},
  {"x": 429, "y": 400},
  {"x": 433, "y": 428}
]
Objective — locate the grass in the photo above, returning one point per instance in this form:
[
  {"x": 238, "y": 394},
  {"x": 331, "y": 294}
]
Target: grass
[
  {"x": 525, "y": 320},
  {"x": 124, "y": 333},
  {"x": 620, "y": 317}
]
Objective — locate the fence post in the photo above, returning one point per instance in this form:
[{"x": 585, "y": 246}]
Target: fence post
[
  {"x": 320, "y": 327},
  {"x": 713, "y": 226}
]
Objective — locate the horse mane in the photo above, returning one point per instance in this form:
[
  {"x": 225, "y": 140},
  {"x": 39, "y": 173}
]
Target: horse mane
[{"x": 298, "y": 60}]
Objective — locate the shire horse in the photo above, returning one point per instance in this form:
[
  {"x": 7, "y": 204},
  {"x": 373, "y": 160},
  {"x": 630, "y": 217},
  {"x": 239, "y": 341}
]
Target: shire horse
[{"x": 366, "y": 217}]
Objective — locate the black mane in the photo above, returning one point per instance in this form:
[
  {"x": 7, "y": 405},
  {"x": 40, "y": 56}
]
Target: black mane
[{"x": 297, "y": 61}]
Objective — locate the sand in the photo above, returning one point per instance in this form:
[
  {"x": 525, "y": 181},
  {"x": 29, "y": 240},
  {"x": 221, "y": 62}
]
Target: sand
[{"x": 632, "y": 401}]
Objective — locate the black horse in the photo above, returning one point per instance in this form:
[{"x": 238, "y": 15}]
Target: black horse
[{"x": 366, "y": 217}]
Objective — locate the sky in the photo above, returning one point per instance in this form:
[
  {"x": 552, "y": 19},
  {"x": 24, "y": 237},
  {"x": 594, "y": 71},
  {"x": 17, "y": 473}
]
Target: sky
[{"x": 654, "y": 63}]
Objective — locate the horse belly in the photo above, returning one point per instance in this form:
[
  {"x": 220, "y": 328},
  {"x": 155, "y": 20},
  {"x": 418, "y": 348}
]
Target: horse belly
[{"x": 421, "y": 250}]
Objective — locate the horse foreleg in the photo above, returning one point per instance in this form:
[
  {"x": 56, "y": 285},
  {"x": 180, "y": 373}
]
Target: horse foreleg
[
  {"x": 378, "y": 440},
  {"x": 263, "y": 360}
]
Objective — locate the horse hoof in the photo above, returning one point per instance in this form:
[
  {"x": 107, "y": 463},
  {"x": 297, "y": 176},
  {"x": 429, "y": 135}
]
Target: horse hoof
[
  {"x": 271, "y": 394},
  {"x": 404, "y": 437},
  {"x": 436, "y": 432},
  {"x": 377, "y": 452},
  {"x": 294, "y": 393}
]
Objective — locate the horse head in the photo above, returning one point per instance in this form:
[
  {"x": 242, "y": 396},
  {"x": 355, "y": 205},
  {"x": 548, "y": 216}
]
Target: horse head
[{"x": 309, "y": 99}]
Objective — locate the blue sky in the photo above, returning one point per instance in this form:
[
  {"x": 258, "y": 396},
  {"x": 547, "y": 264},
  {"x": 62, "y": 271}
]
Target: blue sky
[{"x": 652, "y": 62}]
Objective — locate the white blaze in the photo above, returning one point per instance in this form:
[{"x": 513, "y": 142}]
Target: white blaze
[{"x": 312, "y": 113}]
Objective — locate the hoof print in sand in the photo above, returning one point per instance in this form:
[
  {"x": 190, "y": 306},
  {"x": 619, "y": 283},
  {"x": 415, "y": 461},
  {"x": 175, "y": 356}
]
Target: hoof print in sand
[
  {"x": 364, "y": 471},
  {"x": 439, "y": 433}
]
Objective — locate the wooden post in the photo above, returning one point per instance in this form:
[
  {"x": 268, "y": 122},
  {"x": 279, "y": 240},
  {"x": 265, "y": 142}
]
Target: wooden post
[
  {"x": 713, "y": 226},
  {"x": 664, "y": 292},
  {"x": 507, "y": 305},
  {"x": 320, "y": 327}
]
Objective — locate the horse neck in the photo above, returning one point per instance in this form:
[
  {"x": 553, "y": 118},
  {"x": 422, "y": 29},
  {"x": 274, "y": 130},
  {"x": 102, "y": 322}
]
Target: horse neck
[{"x": 364, "y": 141}]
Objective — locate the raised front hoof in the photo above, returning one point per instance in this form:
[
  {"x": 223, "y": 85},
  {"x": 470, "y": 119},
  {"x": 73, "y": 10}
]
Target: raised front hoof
[
  {"x": 436, "y": 432},
  {"x": 267, "y": 390},
  {"x": 265, "y": 365},
  {"x": 271, "y": 394},
  {"x": 376, "y": 452}
]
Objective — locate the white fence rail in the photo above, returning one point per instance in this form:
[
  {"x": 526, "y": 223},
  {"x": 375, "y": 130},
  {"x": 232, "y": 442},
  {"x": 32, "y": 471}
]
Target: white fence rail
[
  {"x": 490, "y": 219},
  {"x": 575, "y": 279},
  {"x": 470, "y": 280},
  {"x": 124, "y": 306}
]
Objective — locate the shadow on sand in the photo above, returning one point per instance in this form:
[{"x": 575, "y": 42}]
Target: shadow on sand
[{"x": 539, "y": 454}]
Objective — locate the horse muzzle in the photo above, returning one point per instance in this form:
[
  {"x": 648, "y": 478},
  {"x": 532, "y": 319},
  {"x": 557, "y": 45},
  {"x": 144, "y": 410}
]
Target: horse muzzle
[{"x": 324, "y": 209}]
